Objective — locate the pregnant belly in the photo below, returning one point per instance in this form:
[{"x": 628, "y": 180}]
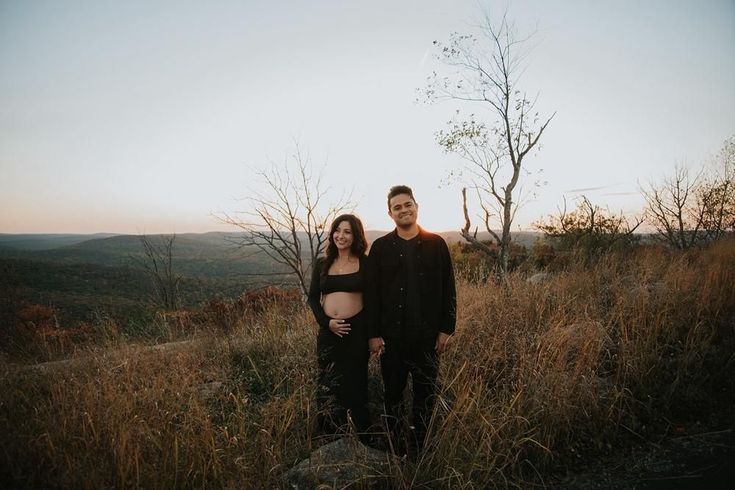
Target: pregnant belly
[{"x": 342, "y": 305}]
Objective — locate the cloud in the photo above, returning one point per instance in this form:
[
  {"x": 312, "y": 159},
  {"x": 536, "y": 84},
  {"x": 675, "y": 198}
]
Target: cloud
[
  {"x": 599, "y": 188},
  {"x": 587, "y": 189}
]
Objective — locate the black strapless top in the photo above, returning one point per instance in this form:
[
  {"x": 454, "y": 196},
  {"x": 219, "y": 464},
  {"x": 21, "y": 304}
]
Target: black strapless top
[{"x": 349, "y": 283}]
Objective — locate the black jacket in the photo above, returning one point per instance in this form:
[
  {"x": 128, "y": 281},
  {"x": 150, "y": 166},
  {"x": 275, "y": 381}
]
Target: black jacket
[{"x": 385, "y": 286}]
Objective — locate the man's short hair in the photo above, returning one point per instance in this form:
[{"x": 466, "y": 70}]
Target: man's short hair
[{"x": 399, "y": 189}]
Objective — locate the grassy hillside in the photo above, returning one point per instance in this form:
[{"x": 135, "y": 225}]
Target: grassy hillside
[
  {"x": 77, "y": 290},
  {"x": 104, "y": 274},
  {"x": 541, "y": 379},
  {"x": 80, "y": 291}
]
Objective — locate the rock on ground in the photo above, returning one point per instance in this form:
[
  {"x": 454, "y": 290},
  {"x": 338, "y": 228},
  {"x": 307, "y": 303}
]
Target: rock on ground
[{"x": 344, "y": 463}]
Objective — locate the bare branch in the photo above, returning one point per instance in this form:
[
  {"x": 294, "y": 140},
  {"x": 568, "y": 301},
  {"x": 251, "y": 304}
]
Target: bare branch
[
  {"x": 290, "y": 219},
  {"x": 687, "y": 211},
  {"x": 157, "y": 261},
  {"x": 487, "y": 71},
  {"x": 465, "y": 232}
]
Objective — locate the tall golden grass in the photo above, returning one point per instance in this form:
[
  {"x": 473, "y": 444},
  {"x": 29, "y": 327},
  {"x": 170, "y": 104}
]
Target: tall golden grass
[{"x": 538, "y": 375}]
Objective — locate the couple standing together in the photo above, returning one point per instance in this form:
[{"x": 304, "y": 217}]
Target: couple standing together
[{"x": 398, "y": 302}]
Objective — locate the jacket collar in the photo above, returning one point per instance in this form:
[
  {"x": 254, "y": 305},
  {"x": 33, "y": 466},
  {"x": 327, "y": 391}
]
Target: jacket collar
[{"x": 422, "y": 234}]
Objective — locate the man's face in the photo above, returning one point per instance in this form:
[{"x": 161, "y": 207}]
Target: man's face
[{"x": 403, "y": 210}]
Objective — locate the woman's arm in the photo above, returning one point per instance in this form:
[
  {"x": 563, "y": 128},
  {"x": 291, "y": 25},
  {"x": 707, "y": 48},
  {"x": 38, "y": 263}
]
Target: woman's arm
[{"x": 315, "y": 295}]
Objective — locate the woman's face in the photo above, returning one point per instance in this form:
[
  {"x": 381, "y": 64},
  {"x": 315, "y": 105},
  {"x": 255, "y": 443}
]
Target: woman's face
[{"x": 342, "y": 236}]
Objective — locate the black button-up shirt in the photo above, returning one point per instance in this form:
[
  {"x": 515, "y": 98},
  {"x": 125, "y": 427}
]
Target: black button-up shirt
[{"x": 387, "y": 283}]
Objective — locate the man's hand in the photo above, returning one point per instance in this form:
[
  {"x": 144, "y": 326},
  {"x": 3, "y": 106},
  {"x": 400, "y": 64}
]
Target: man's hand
[
  {"x": 377, "y": 346},
  {"x": 442, "y": 341}
]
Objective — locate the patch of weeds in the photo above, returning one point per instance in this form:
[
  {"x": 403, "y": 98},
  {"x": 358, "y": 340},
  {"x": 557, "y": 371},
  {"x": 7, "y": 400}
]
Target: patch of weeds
[{"x": 254, "y": 371}]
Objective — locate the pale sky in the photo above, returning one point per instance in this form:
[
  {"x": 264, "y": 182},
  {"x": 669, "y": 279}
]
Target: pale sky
[{"x": 148, "y": 116}]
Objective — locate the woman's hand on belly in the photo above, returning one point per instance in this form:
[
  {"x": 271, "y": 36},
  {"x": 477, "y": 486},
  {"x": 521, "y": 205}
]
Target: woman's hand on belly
[{"x": 339, "y": 327}]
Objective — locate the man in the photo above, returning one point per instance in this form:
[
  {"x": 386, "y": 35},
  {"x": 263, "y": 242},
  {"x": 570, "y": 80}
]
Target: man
[{"x": 411, "y": 302}]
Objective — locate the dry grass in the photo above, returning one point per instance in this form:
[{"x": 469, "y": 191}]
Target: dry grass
[{"x": 538, "y": 374}]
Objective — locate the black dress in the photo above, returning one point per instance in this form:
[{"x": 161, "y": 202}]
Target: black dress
[{"x": 342, "y": 360}]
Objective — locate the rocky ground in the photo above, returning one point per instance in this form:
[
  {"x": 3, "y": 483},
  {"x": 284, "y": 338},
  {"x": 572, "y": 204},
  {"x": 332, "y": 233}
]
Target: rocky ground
[
  {"x": 694, "y": 461},
  {"x": 703, "y": 460}
]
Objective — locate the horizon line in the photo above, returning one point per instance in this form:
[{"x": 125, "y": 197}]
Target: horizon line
[{"x": 4, "y": 233}]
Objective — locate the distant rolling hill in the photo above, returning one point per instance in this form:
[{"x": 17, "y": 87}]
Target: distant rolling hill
[
  {"x": 195, "y": 254},
  {"x": 84, "y": 274},
  {"x": 525, "y": 238},
  {"x": 210, "y": 253},
  {"x": 45, "y": 241}
]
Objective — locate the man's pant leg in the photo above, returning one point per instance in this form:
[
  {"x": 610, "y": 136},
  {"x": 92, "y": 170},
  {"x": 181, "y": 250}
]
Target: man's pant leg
[{"x": 424, "y": 370}]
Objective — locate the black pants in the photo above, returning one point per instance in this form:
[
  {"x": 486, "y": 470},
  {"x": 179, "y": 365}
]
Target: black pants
[
  {"x": 401, "y": 358},
  {"x": 343, "y": 376}
]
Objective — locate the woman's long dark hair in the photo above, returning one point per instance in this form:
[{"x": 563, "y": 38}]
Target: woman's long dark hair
[{"x": 359, "y": 242}]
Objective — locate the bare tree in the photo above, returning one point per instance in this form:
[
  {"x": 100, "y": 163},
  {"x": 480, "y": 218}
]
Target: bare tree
[
  {"x": 716, "y": 198},
  {"x": 487, "y": 71},
  {"x": 673, "y": 209},
  {"x": 688, "y": 211},
  {"x": 289, "y": 219},
  {"x": 717, "y": 193},
  {"x": 157, "y": 261}
]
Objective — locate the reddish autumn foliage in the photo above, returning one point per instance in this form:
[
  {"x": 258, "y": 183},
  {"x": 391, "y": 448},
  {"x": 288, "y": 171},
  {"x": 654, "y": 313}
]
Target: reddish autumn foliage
[
  {"x": 38, "y": 315},
  {"x": 260, "y": 300}
]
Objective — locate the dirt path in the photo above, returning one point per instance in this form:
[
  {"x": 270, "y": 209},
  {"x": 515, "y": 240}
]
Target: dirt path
[{"x": 120, "y": 355}]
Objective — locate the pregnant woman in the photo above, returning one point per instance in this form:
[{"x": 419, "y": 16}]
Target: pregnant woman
[{"x": 335, "y": 297}]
